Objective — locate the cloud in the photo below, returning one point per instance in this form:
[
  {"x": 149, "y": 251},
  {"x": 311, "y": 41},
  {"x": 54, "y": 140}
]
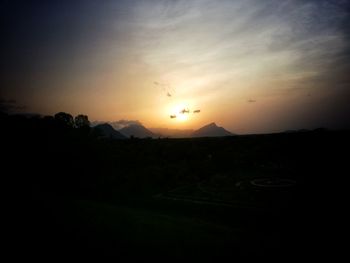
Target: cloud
[
  {"x": 234, "y": 40},
  {"x": 10, "y": 106},
  {"x": 251, "y": 101}
]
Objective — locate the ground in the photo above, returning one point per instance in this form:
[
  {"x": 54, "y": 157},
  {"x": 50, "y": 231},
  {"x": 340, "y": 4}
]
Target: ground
[{"x": 261, "y": 195}]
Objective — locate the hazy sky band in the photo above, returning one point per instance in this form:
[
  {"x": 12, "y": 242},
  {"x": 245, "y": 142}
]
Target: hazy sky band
[{"x": 102, "y": 57}]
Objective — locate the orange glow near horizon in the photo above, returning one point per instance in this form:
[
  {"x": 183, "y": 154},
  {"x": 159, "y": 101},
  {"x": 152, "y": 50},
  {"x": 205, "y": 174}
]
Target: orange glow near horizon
[{"x": 245, "y": 68}]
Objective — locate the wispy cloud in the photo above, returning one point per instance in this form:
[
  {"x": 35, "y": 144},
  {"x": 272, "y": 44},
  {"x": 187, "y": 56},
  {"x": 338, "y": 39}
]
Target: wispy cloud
[{"x": 231, "y": 40}]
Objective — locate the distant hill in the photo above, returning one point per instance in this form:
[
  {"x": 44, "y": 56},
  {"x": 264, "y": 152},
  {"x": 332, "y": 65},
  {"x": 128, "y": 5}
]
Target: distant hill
[
  {"x": 296, "y": 131},
  {"x": 137, "y": 130},
  {"x": 107, "y": 131},
  {"x": 172, "y": 133},
  {"x": 117, "y": 125},
  {"x": 211, "y": 130},
  {"x": 320, "y": 129}
]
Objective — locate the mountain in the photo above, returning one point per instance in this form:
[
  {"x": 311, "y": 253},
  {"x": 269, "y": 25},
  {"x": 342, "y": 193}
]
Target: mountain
[
  {"x": 107, "y": 131},
  {"x": 96, "y": 123},
  {"x": 211, "y": 130},
  {"x": 117, "y": 125},
  {"x": 137, "y": 130},
  {"x": 172, "y": 133}
]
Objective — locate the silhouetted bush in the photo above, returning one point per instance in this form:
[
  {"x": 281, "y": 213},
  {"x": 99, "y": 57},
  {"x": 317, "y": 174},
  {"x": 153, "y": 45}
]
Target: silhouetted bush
[
  {"x": 82, "y": 121},
  {"x": 65, "y": 119}
]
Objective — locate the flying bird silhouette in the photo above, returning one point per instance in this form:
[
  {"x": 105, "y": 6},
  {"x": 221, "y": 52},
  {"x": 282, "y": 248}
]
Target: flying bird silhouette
[
  {"x": 185, "y": 111},
  {"x": 196, "y": 111},
  {"x": 172, "y": 116}
]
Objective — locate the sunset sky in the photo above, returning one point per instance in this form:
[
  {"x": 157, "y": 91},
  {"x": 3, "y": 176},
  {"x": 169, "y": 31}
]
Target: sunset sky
[{"x": 251, "y": 66}]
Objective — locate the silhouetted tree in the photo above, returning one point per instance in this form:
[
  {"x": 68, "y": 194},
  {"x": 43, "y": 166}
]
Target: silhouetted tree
[
  {"x": 82, "y": 121},
  {"x": 65, "y": 118}
]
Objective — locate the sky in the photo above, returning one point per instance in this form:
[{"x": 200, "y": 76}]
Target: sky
[{"x": 250, "y": 66}]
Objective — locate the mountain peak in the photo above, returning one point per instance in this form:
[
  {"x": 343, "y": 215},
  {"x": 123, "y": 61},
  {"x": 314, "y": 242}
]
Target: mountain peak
[
  {"x": 137, "y": 130},
  {"x": 213, "y": 124},
  {"x": 107, "y": 131},
  {"x": 211, "y": 130}
]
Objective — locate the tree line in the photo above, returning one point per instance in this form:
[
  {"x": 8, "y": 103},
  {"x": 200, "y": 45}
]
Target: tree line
[{"x": 66, "y": 119}]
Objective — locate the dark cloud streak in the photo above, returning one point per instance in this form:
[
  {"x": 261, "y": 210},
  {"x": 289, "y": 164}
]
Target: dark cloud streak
[{"x": 10, "y": 106}]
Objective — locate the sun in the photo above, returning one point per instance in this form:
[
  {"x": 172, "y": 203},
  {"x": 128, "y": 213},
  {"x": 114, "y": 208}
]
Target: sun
[
  {"x": 182, "y": 117},
  {"x": 180, "y": 112}
]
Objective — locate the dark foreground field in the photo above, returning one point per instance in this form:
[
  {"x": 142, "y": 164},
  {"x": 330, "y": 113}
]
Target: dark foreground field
[{"x": 259, "y": 195}]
